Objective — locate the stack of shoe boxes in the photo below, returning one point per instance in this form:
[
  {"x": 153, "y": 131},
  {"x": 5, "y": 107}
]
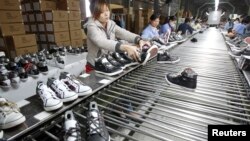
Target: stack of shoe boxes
[
  {"x": 73, "y": 8},
  {"x": 13, "y": 40},
  {"x": 49, "y": 24}
]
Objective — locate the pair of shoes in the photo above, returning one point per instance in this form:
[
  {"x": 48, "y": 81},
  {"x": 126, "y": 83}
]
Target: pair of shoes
[
  {"x": 10, "y": 115},
  {"x": 185, "y": 79},
  {"x": 96, "y": 129},
  {"x": 165, "y": 57},
  {"x": 147, "y": 53}
]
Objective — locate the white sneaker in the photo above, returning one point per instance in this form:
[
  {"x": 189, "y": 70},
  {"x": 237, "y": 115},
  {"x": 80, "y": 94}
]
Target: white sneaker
[
  {"x": 50, "y": 100},
  {"x": 10, "y": 115},
  {"x": 1, "y": 134},
  {"x": 71, "y": 127},
  {"x": 62, "y": 90},
  {"x": 74, "y": 84}
]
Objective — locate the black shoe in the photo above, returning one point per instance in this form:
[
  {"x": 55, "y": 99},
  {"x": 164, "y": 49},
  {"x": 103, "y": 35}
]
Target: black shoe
[
  {"x": 113, "y": 61},
  {"x": 103, "y": 66},
  {"x": 22, "y": 74},
  {"x": 4, "y": 81},
  {"x": 71, "y": 127},
  {"x": 42, "y": 67},
  {"x": 3, "y": 69},
  {"x": 131, "y": 62},
  {"x": 188, "y": 79},
  {"x": 165, "y": 57},
  {"x": 33, "y": 71},
  {"x": 147, "y": 53},
  {"x": 119, "y": 59},
  {"x": 14, "y": 78},
  {"x": 194, "y": 40},
  {"x": 96, "y": 129}
]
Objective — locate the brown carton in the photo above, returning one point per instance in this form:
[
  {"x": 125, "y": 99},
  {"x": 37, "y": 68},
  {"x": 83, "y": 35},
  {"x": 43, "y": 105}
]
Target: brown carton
[
  {"x": 58, "y": 37},
  {"x": 57, "y": 26},
  {"x": 11, "y": 17},
  {"x": 70, "y": 5},
  {"x": 10, "y": 5},
  {"x": 43, "y": 5},
  {"x": 18, "y": 41},
  {"x": 74, "y": 15},
  {"x": 75, "y": 34},
  {"x": 56, "y": 16},
  {"x": 12, "y": 29},
  {"x": 23, "y": 50},
  {"x": 74, "y": 25},
  {"x": 76, "y": 43}
]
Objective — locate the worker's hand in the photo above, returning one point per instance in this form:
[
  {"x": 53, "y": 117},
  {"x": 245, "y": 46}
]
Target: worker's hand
[
  {"x": 142, "y": 43},
  {"x": 132, "y": 52}
]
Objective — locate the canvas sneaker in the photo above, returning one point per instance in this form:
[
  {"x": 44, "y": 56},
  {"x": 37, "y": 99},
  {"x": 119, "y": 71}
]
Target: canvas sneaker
[
  {"x": 165, "y": 57},
  {"x": 103, "y": 66},
  {"x": 62, "y": 91},
  {"x": 74, "y": 84},
  {"x": 71, "y": 127},
  {"x": 10, "y": 115},
  {"x": 50, "y": 101}
]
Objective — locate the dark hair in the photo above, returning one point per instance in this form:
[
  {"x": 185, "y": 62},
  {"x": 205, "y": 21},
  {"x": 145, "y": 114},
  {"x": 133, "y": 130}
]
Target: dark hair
[
  {"x": 154, "y": 17},
  {"x": 170, "y": 18},
  {"x": 237, "y": 19},
  {"x": 96, "y": 7},
  {"x": 228, "y": 19},
  {"x": 196, "y": 22},
  {"x": 187, "y": 20},
  {"x": 230, "y": 30},
  {"x": 246, "y": 20}
]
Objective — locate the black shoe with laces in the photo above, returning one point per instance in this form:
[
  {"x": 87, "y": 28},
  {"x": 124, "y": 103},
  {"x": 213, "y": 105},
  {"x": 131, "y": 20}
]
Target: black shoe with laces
[
  {"x": 103, "y": 66},
  {"x": 22, "y": 74},
  {"x": 120, "y": 59},
  {"x": 4, "y": 81},
  {"x": 148, "y": 52},
  {"x": 96, "y": 129},
  {"x": 187, "y": 79},
  {"x": 71, "y": 127},
  {"x": 113, "y": 61},
  {"x": 130, "y": 61},
  {"x": 165, "y": 57}
]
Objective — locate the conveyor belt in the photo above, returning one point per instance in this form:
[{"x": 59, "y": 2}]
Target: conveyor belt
[{"x": 168, "y": 113}]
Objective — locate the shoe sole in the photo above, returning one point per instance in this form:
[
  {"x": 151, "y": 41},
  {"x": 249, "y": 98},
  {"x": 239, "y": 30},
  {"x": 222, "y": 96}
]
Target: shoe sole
[
  {"x": 74, "y": 97},
  {"x": 131, "y": 64},
  {"x": 52, "y": 108},
  {"x": 185, "y": 88},
  {"x": 13, "y": 123},
  {"x": 85, "y": 93},
  {"x": 110, "y": 74},
  {"x": 169, "y": 62},
  {"x": 232, "y": 55},
  {"x": 150, "y": 53}
]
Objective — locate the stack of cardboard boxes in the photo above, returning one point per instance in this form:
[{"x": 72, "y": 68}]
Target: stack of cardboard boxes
[
  {"x": 13, "y": 40},
  {"x": 73, "y": 8}
]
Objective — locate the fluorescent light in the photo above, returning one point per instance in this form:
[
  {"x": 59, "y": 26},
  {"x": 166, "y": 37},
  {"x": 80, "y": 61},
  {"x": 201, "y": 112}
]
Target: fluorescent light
[
  {"x": 88, "y": 13},
  {"x": 216, "y": 4},
  {"x": 140, "y": 8}
]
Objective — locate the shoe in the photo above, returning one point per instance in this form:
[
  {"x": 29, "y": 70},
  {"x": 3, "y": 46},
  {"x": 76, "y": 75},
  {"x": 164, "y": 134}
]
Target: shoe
[
  {"x": 119, "y": 59},
  {"x": 12, "y": 66},
  {"x": 194, "y": 40},
  {"x": 165, "y": 57},
  {"x": 114, "y": 62},
  {"x": 1, "y": 134},
  {"x": 103, "y": 66},
  {"x": 74, "y": 84},
  {"x": 60, "y": 62},
  {"x": 4, "y": 81},
  {"x": 96, "y": 129},
  {"x": 22, "y": 74},
  {"x": 49, "y": 60},
  {"x": 131, "y": 62},
  {"x": 32, "y": 70},
  {"x": 3, "y": 69},
  {"x": 42, "y": 67},
  {"x": 71, "y": 127},
  {"x": 14, "y": 78},
  {"x": 62, "y": 91},
  {"x": 10, "y": 114},
  {"x": 187, "y": 79},
  {"x": 147, "y": 53},
  {"x": 50, "y": 101}
]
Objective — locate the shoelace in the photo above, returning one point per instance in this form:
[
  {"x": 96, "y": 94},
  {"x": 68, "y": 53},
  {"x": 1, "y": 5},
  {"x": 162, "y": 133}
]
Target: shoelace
[
  {"x": 48, "y": 93},
  {"x": 65, "y": 87},
  {"x": 12, "y": 107},
  {"x": 96, "y": 126},
  {"x": 69, "y": 133}
]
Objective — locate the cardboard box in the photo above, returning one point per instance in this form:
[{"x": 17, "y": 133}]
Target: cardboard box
[
  {"x": 10, "y": 5},
  {"x": 18, "y": 41},
  {"x": 74, "y": 15},
  {"x": 84, "y": 36},
  {"x": 70, "y": 5},
  {"x": 75, "y": 34},
  {"x": 23, "y": 50},
  {"x": 12, "y": 29},
  {"x": 43, "y": 5},
  {"x": 11, "y": 17},
  {"x": 57, "y": 26},
  {"x": 76, "y": 43},
  {"x": 74, "y": 25},
  {"x": 63, "y": 43},
  {"x": 58, "y": 37},
  {"x": 56, "y": 16}
]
